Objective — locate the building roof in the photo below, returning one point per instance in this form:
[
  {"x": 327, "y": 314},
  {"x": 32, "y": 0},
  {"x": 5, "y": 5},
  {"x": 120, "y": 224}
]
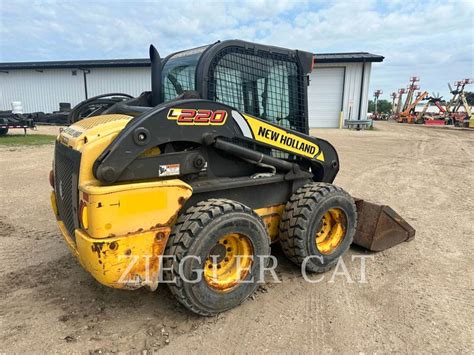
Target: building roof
[
  {"x": 347, "y": 57},
  {"x": 77, "y": 64},
  {"x": 121, "y": 63}
]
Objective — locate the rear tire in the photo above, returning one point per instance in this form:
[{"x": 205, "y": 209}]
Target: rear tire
[
  {"x": 319, "y": 221},
  {"x": 3, "y": 131},
  {"x": 223, "y": 229}
]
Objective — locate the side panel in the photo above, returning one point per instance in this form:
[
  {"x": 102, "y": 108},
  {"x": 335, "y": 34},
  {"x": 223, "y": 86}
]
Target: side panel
[
  {"x": 127, "y": 262},
  {"x": 130, "y": 208},
  {"x": 252, "y": 193},
  {"x": 271, "y": 217}
]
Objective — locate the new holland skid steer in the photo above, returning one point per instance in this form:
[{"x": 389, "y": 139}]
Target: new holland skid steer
[{"x": 190, "y": 183}]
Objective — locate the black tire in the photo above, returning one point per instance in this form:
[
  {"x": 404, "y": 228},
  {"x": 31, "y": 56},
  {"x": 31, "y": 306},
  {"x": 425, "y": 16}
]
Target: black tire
[
  {"x": 3, "y": 131},
  {"x": 302, "y": 219},
  {"x": 195, "y": 233}
]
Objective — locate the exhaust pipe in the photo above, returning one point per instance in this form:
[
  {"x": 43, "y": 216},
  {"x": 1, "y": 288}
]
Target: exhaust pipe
[{"x": 155, "y": 76}]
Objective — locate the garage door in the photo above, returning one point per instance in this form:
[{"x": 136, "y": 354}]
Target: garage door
[{"x": 325, "y": 96}]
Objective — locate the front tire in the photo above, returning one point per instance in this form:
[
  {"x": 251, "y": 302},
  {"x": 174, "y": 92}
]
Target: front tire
[
  {"x": 211, "y": 234},
  {"x": 319, "y": 221}
]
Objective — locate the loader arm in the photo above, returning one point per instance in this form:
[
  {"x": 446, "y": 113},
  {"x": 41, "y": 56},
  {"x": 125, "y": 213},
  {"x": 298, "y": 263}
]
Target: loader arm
[{"x": 200, "y": 124}]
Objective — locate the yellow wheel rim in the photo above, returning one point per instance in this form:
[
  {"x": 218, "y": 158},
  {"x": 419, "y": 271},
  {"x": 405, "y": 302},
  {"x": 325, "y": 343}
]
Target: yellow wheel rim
[
  {"x": 228, "y": 262},
  {"x": 332, "y": 232}
]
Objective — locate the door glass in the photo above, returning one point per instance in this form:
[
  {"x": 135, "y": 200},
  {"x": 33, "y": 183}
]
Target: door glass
[
  {"x": 179, "y": 72},
  {"x": 263, "y": 87}
]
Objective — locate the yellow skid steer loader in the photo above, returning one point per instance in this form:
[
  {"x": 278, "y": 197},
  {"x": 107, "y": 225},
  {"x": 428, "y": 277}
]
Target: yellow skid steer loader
[{"x": 189, "y": 184}]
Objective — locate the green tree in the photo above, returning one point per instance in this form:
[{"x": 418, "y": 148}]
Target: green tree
[
  {"x": 383, "y": 106},
  {"x": 469, "y": 97},
  {"x": 371, "y": 106}
]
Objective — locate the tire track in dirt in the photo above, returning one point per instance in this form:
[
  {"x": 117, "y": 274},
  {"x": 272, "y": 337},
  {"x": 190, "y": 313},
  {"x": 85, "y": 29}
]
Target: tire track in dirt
[
  {"x": 22, "y": 247},
  {"x": 35, "y": 276},
  {"x": 6, "y": 229},
  {"x": 418, "y": 298}
]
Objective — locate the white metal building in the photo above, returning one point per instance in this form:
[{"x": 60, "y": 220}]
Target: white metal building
[{"x": 339, "y": 83}]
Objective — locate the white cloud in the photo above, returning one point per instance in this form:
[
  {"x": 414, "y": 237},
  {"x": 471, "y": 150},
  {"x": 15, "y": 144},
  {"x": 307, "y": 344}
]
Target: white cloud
[{"x": 430, "y": 38}]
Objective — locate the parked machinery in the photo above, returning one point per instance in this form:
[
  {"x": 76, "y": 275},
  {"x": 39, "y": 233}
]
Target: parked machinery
[
  {"x": 15, "y": 119},
  {"x": 423, "y": 116},
  {"x": 460, "y": 118},
  {"x": 408, "y": 114},
  {"x": 94, "y": 106},
  {"x": 203, "y": 173},
  {"x": 455, "y": 92},
  {"x": 412, "y": 87},
  {"x": 377, "y": 115},
  {"x": 457, "y": 110},
  {"x": 398, "y": 105},
  {"x": 394, "y": 96}
]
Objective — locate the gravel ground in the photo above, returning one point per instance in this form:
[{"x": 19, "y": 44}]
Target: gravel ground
[{"x": 418, "y": 296}]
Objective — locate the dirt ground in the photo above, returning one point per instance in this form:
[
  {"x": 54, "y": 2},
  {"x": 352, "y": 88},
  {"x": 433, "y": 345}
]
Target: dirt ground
[{"x": 418, "y": 296}]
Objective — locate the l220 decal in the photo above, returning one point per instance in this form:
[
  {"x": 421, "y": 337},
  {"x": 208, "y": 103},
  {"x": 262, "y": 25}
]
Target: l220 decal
[{"x": 201, "y": 117}]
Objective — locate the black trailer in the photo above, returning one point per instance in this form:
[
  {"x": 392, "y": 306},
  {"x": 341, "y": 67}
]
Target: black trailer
[{"x": 9, "y": 120}]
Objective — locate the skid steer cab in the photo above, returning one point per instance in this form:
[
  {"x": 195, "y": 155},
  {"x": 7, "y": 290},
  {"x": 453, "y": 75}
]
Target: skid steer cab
[{"x": 189, "y": 184}]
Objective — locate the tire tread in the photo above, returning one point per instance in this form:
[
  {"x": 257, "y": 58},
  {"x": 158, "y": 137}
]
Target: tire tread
[
  {"x": 296, "y": 216},
  {"x": 184, "y": 233}
]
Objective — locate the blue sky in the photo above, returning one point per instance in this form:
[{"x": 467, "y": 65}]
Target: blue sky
[{"x": 431, "y": 39}]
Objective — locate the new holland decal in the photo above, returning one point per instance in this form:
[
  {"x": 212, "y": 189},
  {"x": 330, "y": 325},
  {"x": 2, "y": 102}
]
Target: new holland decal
[
  {"x": 202, "y": 117},
  {"x": 279, "y": 138}
]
